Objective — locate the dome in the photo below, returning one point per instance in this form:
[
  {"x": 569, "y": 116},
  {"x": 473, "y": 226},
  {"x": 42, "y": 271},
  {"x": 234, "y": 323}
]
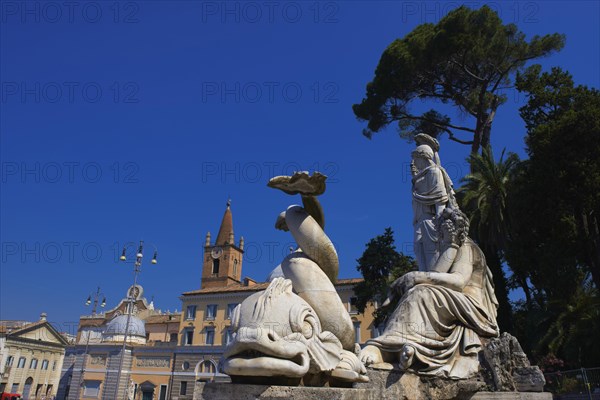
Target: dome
[{"x": 115, "y": 330}]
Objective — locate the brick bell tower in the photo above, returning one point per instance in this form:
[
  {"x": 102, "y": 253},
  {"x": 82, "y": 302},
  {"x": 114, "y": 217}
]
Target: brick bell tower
[{"x": 223, "y": 259}]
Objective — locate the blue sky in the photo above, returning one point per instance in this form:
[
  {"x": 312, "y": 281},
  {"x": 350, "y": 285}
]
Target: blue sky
[{"x": 137, "y": 120}]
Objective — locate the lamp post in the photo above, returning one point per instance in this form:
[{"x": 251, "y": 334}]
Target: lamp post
[
  {"x": 131, "y": 298},
  {"x": 96, "y": 296}
]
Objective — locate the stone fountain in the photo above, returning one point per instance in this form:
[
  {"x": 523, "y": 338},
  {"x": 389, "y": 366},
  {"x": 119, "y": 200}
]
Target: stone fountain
[{"x": 296, "y": 339}]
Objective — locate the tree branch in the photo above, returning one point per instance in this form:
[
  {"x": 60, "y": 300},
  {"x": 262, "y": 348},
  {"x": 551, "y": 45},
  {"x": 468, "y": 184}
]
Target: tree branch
[
  {"x": 455, "y": 139},
  {"x": 460, "y": 128},
  {"x": 464, "y": 68}
]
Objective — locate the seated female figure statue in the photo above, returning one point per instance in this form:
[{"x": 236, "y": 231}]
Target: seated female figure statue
[{"x": 443, "y": 312}]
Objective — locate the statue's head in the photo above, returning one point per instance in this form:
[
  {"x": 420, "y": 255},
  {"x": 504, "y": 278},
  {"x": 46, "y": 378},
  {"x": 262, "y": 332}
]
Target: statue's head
[
  {"x": 423, "y": 151},
  {"x": 453, "y": 226},
  {"x": 422, "y": 156}
]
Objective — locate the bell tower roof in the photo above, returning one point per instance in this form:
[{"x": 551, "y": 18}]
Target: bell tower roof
[
  {"x": 222, "y": 260},
  {"x": 226, "y": 229}
]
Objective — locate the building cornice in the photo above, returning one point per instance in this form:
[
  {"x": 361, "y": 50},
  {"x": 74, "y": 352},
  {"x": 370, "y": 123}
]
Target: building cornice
[
  {"x": 18, "y": 341},
  {"x": 220, "y": 295}
]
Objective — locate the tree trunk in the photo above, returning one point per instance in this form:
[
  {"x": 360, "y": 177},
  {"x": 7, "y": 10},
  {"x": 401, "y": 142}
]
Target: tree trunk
[
  {"x": 481, "y": 120},
  {"x": 486, "y": 131},
  {"x": 476, "y": 140}
]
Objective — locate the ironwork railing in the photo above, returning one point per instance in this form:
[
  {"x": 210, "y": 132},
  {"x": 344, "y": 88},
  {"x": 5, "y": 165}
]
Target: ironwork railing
[{"x": 576, "y": 384}]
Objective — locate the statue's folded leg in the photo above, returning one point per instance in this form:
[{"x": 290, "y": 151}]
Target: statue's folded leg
[{"x": 434, "y": 330}]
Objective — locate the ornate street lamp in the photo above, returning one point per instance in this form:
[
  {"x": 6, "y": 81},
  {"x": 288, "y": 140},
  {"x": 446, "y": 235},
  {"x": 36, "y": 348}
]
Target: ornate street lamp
[
  {"x": 96, "y": 296},
  {"x": 131, "y": 299}
]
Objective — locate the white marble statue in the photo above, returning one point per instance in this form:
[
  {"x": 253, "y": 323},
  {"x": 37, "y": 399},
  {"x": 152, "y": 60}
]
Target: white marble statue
[
  {"x": 298, "y": 328},
  {"x": 436, "y": 327},
  {"x": 431, "y": 192},
  {"x": 449, "y": 304}
]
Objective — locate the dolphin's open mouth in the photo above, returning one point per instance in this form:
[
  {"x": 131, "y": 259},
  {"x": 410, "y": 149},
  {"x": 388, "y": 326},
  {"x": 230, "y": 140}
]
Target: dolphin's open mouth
[
  {"x": 300, "y": 359},
  {"x": 257, "y": 363}
]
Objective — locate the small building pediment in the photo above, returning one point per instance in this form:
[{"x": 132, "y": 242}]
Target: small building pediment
[{"x": 41, "y": 331}]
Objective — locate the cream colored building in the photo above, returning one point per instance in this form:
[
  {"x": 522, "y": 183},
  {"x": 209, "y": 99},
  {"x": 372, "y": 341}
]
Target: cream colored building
[
  {"x": 31, "y": 358},
  {"x": 206, "y": 313}
]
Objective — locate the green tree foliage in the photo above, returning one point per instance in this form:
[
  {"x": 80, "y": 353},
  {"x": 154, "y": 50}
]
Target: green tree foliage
[
  {"x": 484, "y": 195},
  {"x": 483, "y": 198},
  {"x": 554, "y": 203},
  {"x": 573, "y": 333},
  {"x": 563, "y": 142},
  {"x": 380, "y": 265},
  {"x": 466, "y": 60}
]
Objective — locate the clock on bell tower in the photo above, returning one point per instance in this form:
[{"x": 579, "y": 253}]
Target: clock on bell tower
[{"x": 222, "y": 259}]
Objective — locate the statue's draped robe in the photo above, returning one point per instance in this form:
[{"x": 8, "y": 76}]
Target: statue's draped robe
[
  {"x": 429, "y": 190},
  {"x": 444, "y": 325}
]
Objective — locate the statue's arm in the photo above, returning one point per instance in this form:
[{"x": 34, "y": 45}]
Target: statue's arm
[
  {"x": 456, "y": 279},
  {"x": 445, "y": 259},
  {"x": 459, "y": 272}
]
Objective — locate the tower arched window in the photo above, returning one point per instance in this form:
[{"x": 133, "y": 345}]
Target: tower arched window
[{"x": 215, "y": 266}]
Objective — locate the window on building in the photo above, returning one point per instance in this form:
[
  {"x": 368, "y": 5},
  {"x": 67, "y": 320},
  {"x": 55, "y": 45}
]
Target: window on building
[
  {"x": 211, "y": 311},
  {"x": 45, "y": 364},
  {"x": 91, "y": 388},
  {"x": 183, "y": 388},
  {"x": 353, "y": 309},
  {"x": 9, "y": 361},
  {"x": 357, "y": 332},
  {"x": 173, "y": 337},
  {"x": 14, "y": 388},
  {"x": 235, "y": 263},
  {"x": 207, "y": 367},
  {"x": 53, "y": 365},
  {"x": 33, "y": 363},
  {"x": 230, "y": 308},
  {"x": 163, "y": 392},
  {"x": 190, "y": 312},
  {"x": 228, "y": 336},
  {"x": 188, "y": 337},
  {"x": 21, "y": 363},
  {"x": 210, "y": 336},
  {"x": 215, "y": 269}
]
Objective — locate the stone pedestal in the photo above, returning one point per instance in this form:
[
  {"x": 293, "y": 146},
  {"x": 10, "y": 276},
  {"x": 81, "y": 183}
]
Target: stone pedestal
[
  {"x": 505, "y": 374},
  {"x": 383, "y": 385},
  {"x": 230, "y": 391}
]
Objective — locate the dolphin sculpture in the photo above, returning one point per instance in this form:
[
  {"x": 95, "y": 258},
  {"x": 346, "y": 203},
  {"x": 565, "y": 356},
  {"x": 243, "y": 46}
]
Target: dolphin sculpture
[{"x": 297, "y": 330}]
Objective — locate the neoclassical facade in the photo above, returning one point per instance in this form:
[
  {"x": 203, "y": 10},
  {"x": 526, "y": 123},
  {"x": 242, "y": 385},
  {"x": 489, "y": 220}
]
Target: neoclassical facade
[{"x": 31, "y": 358}]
